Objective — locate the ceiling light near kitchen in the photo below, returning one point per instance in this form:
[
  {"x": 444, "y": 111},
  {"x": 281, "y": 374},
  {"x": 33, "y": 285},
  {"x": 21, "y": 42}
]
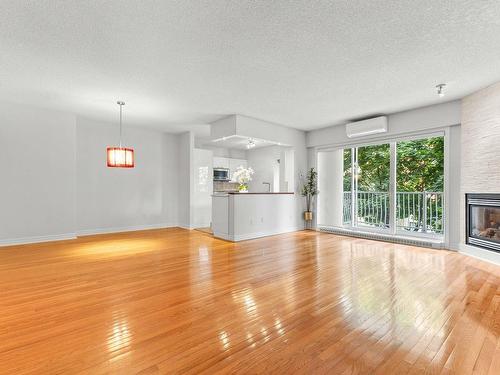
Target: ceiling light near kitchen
[{"x": 250, "y": 144}]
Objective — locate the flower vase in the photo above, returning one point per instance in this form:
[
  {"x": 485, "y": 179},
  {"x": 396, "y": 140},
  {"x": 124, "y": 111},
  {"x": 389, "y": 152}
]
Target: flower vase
[{"x": 243, "y": 188}]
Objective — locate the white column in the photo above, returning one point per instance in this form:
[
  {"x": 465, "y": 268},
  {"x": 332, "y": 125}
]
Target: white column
[{"x": 330, "y": 186}]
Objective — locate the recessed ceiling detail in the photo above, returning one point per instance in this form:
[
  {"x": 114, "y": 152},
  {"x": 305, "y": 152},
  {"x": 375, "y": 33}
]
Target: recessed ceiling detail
[{"x": 241, "y": 142}]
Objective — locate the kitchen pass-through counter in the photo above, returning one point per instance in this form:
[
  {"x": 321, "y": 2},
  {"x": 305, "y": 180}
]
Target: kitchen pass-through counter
[{"x": 243, "y": 216}]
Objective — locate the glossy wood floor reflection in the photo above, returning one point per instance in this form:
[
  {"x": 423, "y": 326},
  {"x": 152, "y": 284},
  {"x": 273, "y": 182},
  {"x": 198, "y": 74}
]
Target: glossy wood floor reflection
[{"x": 181, "y": 302}]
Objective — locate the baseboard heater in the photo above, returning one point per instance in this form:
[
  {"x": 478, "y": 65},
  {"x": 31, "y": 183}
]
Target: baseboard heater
[{"x": 384, "y": 237}]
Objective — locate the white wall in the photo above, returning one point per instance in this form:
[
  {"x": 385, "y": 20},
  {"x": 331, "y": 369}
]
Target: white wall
[
  {"x": 263, "y": 161},
  {"x": 330, "y": 187},
  {"x": 402, "y": 123},
  {"x": 222, "y": 152},
  {"x": 480, "y": 171},
  {"x": 170, "y": 168},
  {"x": 37, "y": 179},
  {"x": 55, "y": 183},
  {"x": 230, "y": 153},
  {"x": 115, "y": 199},
  {"x": 445, "y": 117},
  {"x": 287, "y": 170},
  {"x": 220, "y": 128},
  {"x": 454, "y": 205},
  {"x": 185, "y": 179}
]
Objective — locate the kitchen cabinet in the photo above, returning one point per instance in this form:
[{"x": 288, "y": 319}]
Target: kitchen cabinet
[
  {"x": 243, "y": 216},
  {"x": 201, "y": 201},
  {"x": 221, "y": 162},
  {"x": 229, "y": 163}
]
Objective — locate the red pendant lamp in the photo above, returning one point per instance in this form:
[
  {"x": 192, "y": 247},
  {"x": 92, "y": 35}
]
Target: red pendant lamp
[{"x": 120, "y": 157}]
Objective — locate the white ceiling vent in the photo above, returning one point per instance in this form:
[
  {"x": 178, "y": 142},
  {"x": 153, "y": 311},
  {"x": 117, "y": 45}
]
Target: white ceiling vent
[{"x": 366, "y": 127}]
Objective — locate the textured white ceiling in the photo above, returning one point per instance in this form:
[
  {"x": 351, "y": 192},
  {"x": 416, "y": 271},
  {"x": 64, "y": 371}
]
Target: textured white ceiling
[{"x": 305, "y": 64}]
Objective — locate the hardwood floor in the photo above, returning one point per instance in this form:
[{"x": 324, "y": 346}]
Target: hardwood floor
[{"x": 178, "y": 301}]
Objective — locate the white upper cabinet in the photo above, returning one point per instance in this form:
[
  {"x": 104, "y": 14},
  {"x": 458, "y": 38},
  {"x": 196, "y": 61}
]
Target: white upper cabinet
[
  {"x": 201, "y": 198},
  {"x": 221, "y": 162}
]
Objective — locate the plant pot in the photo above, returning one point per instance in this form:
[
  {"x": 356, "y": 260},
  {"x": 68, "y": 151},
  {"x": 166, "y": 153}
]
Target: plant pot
[
  {"x": 243, "y": 188},
  {"x": 308, "y": 215}
]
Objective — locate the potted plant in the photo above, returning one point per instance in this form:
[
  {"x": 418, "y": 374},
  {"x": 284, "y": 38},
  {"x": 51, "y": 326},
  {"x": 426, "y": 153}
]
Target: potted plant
[
  {"x": 310, "y": 190},
  {"x": 243, "y": 176}
]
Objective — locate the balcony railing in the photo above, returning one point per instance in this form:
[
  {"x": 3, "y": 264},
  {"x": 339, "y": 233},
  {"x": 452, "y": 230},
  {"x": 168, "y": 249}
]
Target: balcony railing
[{"x": 415, "y": 211}]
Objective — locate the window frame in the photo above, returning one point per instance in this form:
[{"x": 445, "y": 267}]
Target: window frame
[{"x": 392, "y": 141}]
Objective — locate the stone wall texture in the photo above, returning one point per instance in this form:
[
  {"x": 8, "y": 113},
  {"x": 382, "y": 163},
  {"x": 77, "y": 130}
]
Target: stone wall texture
[{"x": 480, "y": 164}]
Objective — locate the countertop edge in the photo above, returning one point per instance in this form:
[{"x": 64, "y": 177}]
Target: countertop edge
[{"x": 235, "y": 193}]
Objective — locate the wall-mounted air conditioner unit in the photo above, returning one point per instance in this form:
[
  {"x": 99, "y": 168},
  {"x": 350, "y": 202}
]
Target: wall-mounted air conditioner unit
[{"x": 366, "y": 127}]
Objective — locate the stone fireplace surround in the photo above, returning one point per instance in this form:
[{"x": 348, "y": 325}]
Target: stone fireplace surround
[{"x": 480, "y": 156}]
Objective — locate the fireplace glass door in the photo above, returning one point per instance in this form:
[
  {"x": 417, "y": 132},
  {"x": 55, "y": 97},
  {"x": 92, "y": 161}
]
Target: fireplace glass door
[{"x": 483, "y": 222}]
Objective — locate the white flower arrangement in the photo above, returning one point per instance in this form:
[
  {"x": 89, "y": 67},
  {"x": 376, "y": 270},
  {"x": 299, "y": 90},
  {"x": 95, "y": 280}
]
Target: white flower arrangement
[{"x": 243, "y": 176}]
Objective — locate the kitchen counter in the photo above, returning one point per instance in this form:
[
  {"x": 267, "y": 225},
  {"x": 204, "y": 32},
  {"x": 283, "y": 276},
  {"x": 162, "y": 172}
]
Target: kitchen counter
[
  {"x": 243, "y": 216},
  {"x": 221, "y": 193},
  {"x": 267, "y": 193}
]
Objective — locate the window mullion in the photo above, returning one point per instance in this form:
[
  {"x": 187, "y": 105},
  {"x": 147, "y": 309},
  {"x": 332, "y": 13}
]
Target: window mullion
[
  {"x": 392, "y": 189},
  {"x": 354, "y": 187}
]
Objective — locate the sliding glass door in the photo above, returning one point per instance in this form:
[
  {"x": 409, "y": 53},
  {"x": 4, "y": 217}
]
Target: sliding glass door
[
  {"x": 371, "y": 180},
  {"x": 395, "y": 187},
  {"x": 348, "y": 183},
  {"x": 420, "y": 186},
  {"x": 366, "y": 194}
]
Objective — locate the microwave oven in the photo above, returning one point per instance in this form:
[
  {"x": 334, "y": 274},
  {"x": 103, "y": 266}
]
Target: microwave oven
[{"x": 221, "y": 174}]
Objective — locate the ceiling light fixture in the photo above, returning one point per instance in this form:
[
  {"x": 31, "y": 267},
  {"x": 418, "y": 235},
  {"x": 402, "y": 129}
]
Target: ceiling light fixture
[
  {"x": 440, "y": 89},
  {"x": 120, "y": 157},
  {"x": 250, "y": 144}
]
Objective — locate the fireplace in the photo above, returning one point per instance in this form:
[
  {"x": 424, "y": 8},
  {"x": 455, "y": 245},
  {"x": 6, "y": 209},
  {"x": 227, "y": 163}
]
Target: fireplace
[{"x": 483, "y": 220}]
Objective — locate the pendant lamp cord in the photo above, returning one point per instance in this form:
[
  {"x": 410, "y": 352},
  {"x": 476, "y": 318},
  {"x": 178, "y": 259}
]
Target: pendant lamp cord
[{"x": 121, "y": 104}]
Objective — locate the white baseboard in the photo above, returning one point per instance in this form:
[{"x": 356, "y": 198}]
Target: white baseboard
[
  {"x": 84, "y": 232},
  {"x": 89, "y": 232},
  {"x": 250, "y": 236},
  {"x": 37, "y": 239},
  {"x": 194, "y": 226},
  {"x": 207, "y": 225},
  {"x": 478, "y": 253}
]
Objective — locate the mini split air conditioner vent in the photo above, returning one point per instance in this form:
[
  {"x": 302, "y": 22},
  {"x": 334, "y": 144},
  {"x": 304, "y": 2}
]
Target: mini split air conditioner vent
[
  {"x": 366, "y": 127},
  {"x": 382, "y": 237}
]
